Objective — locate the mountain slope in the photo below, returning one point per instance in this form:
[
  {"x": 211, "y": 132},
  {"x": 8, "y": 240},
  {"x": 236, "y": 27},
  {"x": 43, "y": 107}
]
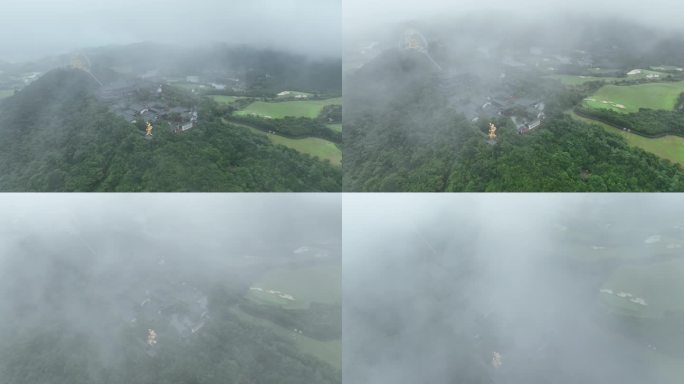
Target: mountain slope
[
  {"x": 402, "y": 134},
  {"x": 55, "y": 136}
]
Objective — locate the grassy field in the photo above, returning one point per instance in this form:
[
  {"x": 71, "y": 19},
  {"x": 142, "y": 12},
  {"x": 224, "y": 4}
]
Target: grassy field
[
  {"x": 5, "y": 93},
  {"x": 634, "y": 243},
  {"x": 666, "y": 68},
  {"x": 323, "y": 149},
  {"x": 625, "y": 99},
  {"x": 276, "y": 110},
  {"x": 599, "y": 70},
  {"x": 226, "y": 99},
  {"x": 668, "y": 147},
  {"x": 320, "y": 284},
  {"x": 328, "y": 351},
  {"x": 188, "y": 86},
  {"x": 573, "y": 80},
  {"x": 658, "y": 284},
  {"x": 335, "y": 127}
]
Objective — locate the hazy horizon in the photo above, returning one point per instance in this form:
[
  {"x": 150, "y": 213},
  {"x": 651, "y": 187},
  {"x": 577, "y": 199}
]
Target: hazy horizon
[
  {"x": 360, "y": 17},
  {"x": 41, "y": 28}
]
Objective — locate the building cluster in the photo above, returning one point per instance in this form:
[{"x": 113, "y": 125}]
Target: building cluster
[
  {"x": 124, "y": 99},
  {"x": 526, "y": 113},
  {"x": 17, "y": 81},
  {"x": 183, "y": 307}
]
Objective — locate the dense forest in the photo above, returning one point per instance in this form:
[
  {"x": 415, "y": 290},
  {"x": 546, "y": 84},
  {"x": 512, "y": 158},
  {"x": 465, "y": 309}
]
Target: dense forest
[
  {"x": 401, "y": 134},
  {"x": 55, "y": 136},
  {"x": 227, "y": 349}
]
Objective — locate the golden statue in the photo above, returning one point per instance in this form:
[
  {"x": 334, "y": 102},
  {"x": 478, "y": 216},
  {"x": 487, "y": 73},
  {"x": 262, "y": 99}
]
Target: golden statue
[
  {"x": 80, "y": 61},
  {"x": 148, "y": 129},
  {"x": 151, "y": 337},
  {"x": 492, "y": 132}
]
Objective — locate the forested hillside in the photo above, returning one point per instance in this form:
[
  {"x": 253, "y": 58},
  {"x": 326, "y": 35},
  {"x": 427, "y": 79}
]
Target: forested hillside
[
  {"x": 56, "y": 136},
  {"x": 402, "y": 134}
]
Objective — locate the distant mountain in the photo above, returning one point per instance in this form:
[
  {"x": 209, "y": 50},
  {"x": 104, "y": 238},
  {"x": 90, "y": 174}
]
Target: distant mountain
[
  {"x": 269, "y": 69},
  {"x": 56, "y": 136}
]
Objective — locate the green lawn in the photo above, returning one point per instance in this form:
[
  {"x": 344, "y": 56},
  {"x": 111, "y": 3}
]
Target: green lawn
[
  {"x": 625, "y": 99},
  {"x": 599, "y": 70},
  {"x": 276, "y": 110},
  {"x": 188, "y": 86},
  {"x": 323, "y": 149},
  {"x": 659, "y": 284},
  {"x": 668, "y": 147},
  {"x": 579, "y": 80},
  {"x": 328, "y": 351},
  {"x": 335, "y": 127},
  {"x": 5, "y": 93},
  {"x": 573, "y": 80},
  {"x": 666, "y": 68},
  {"x": 226, "y": 99},
  {"x": 320, "y": 284}
]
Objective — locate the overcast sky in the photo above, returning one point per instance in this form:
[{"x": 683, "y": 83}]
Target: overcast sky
[
  {"x": 362, "y": 14},
  {"x": 32, "y": 28}
]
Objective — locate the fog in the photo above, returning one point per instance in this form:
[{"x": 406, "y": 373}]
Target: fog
[
  {"x": 511, "y": 288},
  {"x": 41, "y": 27},
  {"x": 521, "y": 22},
  {"x": 90, "y": 266},
  {"x": 431, "y": 76},
  {"x": 361, "y": 15}
]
